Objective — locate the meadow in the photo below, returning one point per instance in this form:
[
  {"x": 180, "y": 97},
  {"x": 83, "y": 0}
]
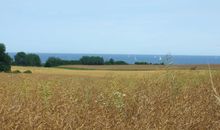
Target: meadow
[{"x": 56, "y": 98}]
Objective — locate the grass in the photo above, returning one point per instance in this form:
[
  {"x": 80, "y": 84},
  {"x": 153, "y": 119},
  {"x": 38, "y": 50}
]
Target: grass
[{"x": 52, "y": 98}]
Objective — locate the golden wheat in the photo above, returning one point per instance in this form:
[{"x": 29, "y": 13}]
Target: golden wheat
[{"x": 77, "y": 99}]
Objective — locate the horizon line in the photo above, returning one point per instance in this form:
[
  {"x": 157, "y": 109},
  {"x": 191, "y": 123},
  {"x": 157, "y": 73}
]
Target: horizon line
[{"x": 116, "y": 54}]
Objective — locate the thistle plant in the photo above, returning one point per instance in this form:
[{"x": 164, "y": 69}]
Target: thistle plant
[
  {"x": 171, "y": 78},
  {"x": 118, "y": 100},
  {"x": 167, "y": 60}
]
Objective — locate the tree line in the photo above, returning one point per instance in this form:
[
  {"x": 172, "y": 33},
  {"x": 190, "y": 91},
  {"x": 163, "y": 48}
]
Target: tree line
[
  {"x": 31, "y": 59},
  {"x": 54, "y": 61},
  {"x": 85, "y": 60},
  {"x": 23, "y": 59}
]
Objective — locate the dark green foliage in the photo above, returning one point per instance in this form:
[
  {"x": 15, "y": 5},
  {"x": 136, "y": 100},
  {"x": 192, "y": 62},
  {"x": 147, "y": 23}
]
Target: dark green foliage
[
  {"x": 142, "y": 63},
  {"x": 113, "y": 62},
  {"x": 20, "y": 59},
  {"x": 23, "y": 59},
  {"x": 2, "y": 48},
  {"x": 92, "y": 60},
  {"x": 71, "y": 62},
  {"x": 85, "y": 60},
  {"x": 53, "y": 61},
  {"x": 27, "y": 72},
  {"x": 5, "y": 59},
  {"x": 120, "y": 63},
  {"x": 33, "y": 60},
  {"x": 110, "y": 62}
]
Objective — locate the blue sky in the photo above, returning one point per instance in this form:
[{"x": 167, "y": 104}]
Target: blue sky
[{"x": 183, "y": 27}]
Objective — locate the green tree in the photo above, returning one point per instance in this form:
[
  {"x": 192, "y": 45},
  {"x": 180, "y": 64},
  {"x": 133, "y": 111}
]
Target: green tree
[
  {"x": 33, "y": 60},
  {"x": 110, "y": 62},
  {"x": 20, "y": 59},
  {"x": 53, "y": 61},
  {"x": 2, "y": 48},
  {"x": 120, "y": 62},
  {"x": 92, "y": 60},
  {"x": 23, "y": 59},
  {"x": 5, "y": 59}
]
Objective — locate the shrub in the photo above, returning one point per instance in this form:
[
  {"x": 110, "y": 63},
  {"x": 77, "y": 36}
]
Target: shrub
[
  {"x": 27, "y": 72},
  {"x": 16, "y": 71},
  {"x": 193, "y": 68}
]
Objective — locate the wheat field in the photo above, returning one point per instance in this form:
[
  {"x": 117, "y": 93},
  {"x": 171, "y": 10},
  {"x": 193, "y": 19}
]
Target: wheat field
[{"x": 114, "y": 100}]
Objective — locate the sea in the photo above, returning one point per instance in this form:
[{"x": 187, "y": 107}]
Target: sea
[{"x": 132, "y": 58}]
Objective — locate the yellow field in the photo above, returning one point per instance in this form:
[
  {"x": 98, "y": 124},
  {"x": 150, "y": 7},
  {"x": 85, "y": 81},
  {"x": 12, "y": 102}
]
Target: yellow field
[
  {"x": 140, "y": 67},
  {"x": 100, "y": 99}
]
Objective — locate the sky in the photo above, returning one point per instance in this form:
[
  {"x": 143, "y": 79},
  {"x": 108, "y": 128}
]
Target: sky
[{"x": 179, "y": 27}]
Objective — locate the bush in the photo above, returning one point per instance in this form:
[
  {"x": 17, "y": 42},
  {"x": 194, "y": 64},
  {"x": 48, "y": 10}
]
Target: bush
[
  {"x": 27, "y": 72},
  {"x": 16, "y": 71},
  {"x": 193, "y": 68}
]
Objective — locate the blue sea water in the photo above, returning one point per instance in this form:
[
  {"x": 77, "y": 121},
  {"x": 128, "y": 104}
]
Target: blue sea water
[{"x": 176, "y": 59}]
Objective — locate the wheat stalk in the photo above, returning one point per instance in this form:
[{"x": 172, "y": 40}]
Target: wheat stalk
[{"x": 216, "y": 94}]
